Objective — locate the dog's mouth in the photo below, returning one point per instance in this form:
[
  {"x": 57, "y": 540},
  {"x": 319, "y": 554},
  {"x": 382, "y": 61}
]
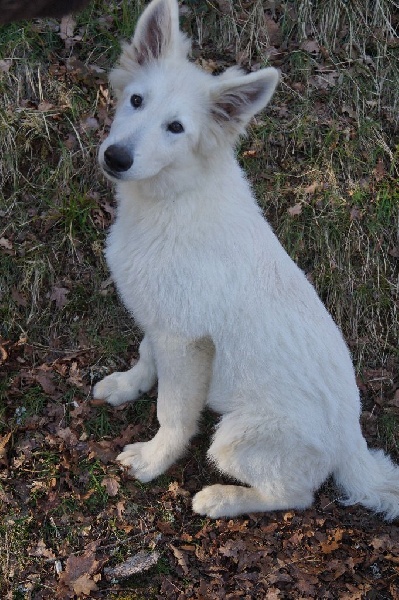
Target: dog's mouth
[{"x": 109, "y": 173}]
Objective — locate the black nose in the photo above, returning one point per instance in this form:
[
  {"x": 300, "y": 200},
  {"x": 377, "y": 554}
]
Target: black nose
[{"x": 117, "y": 158}]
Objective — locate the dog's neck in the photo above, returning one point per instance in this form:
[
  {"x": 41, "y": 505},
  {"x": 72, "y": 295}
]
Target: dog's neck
[{"x": 169, "y": 185}]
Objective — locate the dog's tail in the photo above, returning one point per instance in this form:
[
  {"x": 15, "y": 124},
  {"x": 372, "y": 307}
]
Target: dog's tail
[{"x": 370, "y": 478}]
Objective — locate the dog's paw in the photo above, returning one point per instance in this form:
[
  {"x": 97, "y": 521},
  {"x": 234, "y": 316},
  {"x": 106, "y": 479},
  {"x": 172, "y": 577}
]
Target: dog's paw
[
  {"x": 116, "y": 389},
  {"x": 143, "y": 462},
  {"x": 212, "y": 502},
  {"x": 217, "y": 501}
]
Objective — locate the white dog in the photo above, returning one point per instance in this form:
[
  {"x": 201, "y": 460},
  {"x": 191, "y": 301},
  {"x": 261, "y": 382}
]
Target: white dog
[{"x": 229, "y": 320}]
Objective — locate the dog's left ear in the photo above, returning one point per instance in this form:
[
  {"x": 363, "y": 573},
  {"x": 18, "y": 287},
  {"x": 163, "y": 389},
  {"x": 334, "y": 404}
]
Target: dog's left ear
[
  {"x": 157, "y": 35},
  {"x": 236, "y": 99},
  {"x": 157, "y": 31}
]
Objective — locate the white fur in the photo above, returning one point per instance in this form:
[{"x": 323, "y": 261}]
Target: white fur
[{"x": 229, "y": 319}]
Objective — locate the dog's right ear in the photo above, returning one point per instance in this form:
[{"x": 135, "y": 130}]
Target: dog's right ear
[
  {"x": 156, "y": 36},
  {"x": 236, "y": 98}
]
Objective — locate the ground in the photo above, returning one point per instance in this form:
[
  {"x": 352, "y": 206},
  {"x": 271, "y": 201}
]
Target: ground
[{"x": 323, "y": 160}]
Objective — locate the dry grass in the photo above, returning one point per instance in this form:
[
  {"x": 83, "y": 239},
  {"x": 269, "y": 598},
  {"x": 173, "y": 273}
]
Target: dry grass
[{"x": 359, "y": 40}]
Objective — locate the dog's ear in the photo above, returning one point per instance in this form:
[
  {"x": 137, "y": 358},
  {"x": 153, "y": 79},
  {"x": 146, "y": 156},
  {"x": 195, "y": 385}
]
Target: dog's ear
[
  {"x": 157, "y": 31},
  {"x": 236, "y": 98},
  {"x": 156, "y": 36}
]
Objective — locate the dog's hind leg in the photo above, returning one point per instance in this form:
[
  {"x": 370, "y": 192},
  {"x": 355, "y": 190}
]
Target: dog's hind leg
[
  {"x": 184, "y": 371},
  {"x": 118, "y": 388},
  {"x": 282, "y": 469},
  {"x": 218, "y": 500}
]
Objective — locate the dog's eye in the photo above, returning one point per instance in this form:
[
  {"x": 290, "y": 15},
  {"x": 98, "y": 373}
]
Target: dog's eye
[
  {"x": 136, "y": 101},
  {"x": 175, "y": 127}
]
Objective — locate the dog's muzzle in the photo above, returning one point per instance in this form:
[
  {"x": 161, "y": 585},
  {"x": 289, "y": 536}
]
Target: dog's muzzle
[{"x": 117, "y": 159}]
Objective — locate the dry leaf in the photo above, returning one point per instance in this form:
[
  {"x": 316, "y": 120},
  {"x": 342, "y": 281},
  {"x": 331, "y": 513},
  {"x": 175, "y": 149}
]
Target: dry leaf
[
  {"x": 5, "y": 66},
  {"x": 332, "y": 544},
  {"x": 310, "y": 46},
  {"x": 379, "y": 171},
  {"x": 79, "y": 571},
  {"x": 45, "y": 379},
  {"x": 324, "y": 80},
  {"x": 208, "y": 65},
  {"x": 395, "y": 399},
  {"x": 59, "y": 296},
  {"x": 111, "y": 485},
  {"x": 295, "y": 210},
  {"x": 181, "y": 558},
  {"x": 67, "y": 436},
  {"x": 3, "y": 443},
  {"x": 177, "y": 490},
  {"x": 104, "y": 450},
  {"x": 310, "y": 189},
  {"x": 84, "y": 585},
  {"x": 232, "y": 548},
  {"x": 3, "y": 354},
  {"x": 249, "y": 153},
  {"x": 89, "y": 124},
  {"x": 41, "y": 550},
  {"x": 18, "y": 298},
  {"x": 71, "y": 141},
  {"x": 273, "y": 31},
  {"x": 45, "y": 106},
  {"x": 75, "y": 376},
  {"x": 5, "y": 243},
  {"x": 355, "y": 214},
  {"x": 67, "y": 27},
  {"x": 328, "y": 547}
]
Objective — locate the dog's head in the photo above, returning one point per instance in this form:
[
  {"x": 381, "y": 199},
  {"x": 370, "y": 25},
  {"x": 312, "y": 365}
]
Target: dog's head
[{"x": 169, "y": 111}]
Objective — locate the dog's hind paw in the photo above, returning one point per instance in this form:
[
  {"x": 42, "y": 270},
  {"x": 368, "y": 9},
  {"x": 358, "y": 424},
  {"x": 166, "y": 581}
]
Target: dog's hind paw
[
  {"x": 217, "y": 501},
  {"x": 211, "y": 501}
]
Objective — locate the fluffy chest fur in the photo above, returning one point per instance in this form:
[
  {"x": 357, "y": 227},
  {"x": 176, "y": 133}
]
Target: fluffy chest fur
[{"x": 183, "y": 251}]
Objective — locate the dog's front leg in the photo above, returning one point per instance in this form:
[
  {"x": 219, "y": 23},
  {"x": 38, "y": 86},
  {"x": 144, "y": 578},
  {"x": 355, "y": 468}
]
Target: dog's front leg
[
  {"x": 126, "y": 386},
  {"x": 184, "y": 371}
]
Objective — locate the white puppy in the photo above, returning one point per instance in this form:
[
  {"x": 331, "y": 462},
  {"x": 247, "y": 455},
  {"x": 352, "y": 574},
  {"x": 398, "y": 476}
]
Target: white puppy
[{"x": 229, "y": 320}]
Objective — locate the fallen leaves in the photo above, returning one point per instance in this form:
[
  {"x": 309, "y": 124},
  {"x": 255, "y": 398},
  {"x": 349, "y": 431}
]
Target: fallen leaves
[
  {"x": 380, "y": 171},
  {"x": 111, "y": 485},
  {"x": 5, "y": 65},
  {"x": 182, "y": 559},
  {"x": 310, "y": 45},
  {"x": 67, "y": 27},
  {"x": 310, "y": 189},
  {"x": 278, "y": 555},
  {"x": 332, "y": 543},
  {"x": 4, "y": 439},
  {"x": 3, "y": 353},
  {"x": 44, "y": 375},
  {"x": 295, "y": 210},
  {"x": 59, "y": 296},
  {"x": 42, "y": 551},
  {"x": 67, "y": 32},
  {"x": 81, "y": 572},
  {"x": 5, "y": 243}
]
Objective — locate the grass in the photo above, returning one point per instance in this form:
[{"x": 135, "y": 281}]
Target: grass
[{"x": 327, "y": 149}]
